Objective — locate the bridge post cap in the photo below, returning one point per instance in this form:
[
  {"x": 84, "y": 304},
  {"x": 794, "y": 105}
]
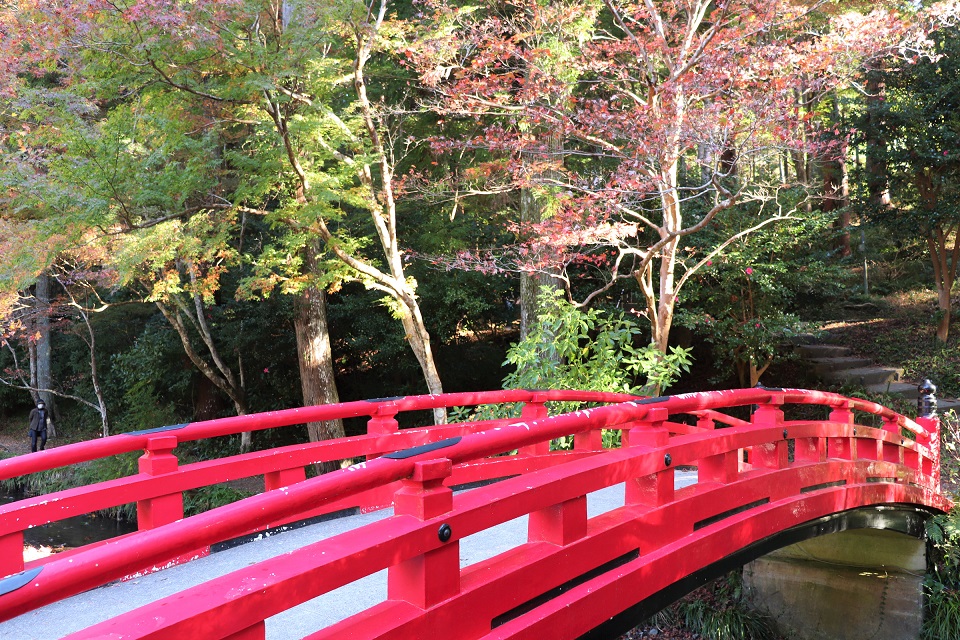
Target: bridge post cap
[
  {"x": 656, "y": 414},
  {"x": 386, "y": 409},
  {"x": 161, "y": 443},
  {"x": 432, "y": 470},
  {"x": 776, "y": 399}
]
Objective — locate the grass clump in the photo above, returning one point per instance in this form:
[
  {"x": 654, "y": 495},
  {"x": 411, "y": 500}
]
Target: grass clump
[{"x": 719, "y": 611}]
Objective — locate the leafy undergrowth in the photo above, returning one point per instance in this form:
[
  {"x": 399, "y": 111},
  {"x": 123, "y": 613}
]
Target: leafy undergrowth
[
  {"x": 901, "y": 332},
  {"x": 941, "y": 620},
  {"x": 716, "y": 611}
]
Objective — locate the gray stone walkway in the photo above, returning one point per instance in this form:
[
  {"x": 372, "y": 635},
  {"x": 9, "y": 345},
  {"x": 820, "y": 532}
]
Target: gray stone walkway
[{"x": 81, "y": 611}]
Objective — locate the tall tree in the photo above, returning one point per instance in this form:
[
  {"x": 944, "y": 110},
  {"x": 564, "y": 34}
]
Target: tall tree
[
  {"x": 309, "y": 144},
  {"x": 719, "y": 85},
  {"x": 911, "y": 128}
]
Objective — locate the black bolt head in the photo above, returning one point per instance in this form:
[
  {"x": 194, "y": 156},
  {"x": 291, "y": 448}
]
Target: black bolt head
[{"x": 445, "y": 532}]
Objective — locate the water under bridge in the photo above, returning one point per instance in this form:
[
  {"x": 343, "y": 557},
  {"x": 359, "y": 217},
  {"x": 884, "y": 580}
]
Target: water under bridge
[{"x": 475, "y": 529}]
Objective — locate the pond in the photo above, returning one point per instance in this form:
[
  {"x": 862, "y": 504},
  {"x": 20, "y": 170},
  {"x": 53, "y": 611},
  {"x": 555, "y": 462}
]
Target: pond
[{"x": 69, "y": 533}]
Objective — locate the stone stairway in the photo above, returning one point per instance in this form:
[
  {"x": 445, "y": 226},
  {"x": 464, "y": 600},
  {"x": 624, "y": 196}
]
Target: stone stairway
[{"x": 839, "y": 365}]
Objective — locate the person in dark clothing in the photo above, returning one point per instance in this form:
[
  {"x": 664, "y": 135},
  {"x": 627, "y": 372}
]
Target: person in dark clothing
[{"x": 38, "y": 426}]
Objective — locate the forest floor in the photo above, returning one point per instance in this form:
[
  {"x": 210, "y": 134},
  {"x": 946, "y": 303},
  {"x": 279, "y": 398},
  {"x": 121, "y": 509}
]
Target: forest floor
[
  {"x": 899, "y": 330},
  {"x": 14, "y": 438}
]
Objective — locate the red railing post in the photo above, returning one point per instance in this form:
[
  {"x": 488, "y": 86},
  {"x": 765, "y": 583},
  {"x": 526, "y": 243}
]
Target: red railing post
[
  {"x": 657, "y": 488},
  {"x": 770, "y": 455},
  {"x": 723, "y": 467},
  {"x": 811, "y": 450},
  {"x": 11, "y": 553},
  {"x": 434, "y": 576},
  {"x": 158, "y": 459},
  {"x": 535, "y": 409},
  {"x": 588, "y": 440},
  {"x": 383, "y": 422},
  {"x": 649, "y": 431},
  {"x": 706, "y": 423},
  {"x": 842, "y": 447},
  {"x": 891, "y": 452},
  {"x": 283, "y": 478},
  {"x": 559, "y": 524}
]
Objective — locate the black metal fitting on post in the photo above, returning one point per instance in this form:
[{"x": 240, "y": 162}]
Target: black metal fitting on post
[
  {"x": 445, "y": 532},
  {"x": 927, "y": 399}
]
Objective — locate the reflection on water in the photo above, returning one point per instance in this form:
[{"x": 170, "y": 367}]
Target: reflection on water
[{"x": 72, "y": 532}]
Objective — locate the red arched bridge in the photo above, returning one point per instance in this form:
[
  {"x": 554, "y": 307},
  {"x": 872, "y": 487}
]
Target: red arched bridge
[{"x": 763, "y": 481}]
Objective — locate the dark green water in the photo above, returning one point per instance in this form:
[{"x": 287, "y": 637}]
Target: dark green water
[{"x": 72, "y": 532}]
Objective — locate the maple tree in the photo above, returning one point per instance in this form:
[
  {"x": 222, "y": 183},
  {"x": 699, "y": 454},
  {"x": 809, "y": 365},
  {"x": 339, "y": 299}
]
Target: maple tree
[
  {"x": 679, "y": 112},
  {"x": 27, "y": 320},
  {"x": 276, "y": 119}
]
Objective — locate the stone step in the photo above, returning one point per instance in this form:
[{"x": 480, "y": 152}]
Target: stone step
[
  {"x": 822, "y": 366},
  {"x": 866, "y": 375},
  {"x": 905, "y": 389},
  {"x": 822, "y": 351},
  {"x": 945, "y": 404}
]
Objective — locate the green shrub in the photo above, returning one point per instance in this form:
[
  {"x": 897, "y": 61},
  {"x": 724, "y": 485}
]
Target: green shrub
[
  {"x": 574, "y": 348},
  {"x": 718, "y": 612}
]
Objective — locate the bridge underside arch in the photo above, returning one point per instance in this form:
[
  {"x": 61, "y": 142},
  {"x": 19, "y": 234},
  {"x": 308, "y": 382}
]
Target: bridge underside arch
[{"x": 906, "y": 519}]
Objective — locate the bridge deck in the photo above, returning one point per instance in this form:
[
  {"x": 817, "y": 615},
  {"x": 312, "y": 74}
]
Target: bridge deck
[{"x": 81, "y": 611}]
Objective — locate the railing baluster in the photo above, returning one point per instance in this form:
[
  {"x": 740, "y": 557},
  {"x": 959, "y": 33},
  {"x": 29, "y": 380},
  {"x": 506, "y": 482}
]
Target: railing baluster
[
  {"x": 842, "y": 447},
  {"x": 434, "y": 576},
  {"x": 11, "y": 553},
  {"x": 283, "y": 478},
  {"x": 535, "y": 409},
  {"x": 383, "y": 422},
  {"x": 559, "y": 524},
  {"x": 770, "y": 455},
  {"x": 656, "y": 489},
  {"x": 931, "y": 466},
  {"x": 723, "y": 467},
  {"x": 810, "y": 449},
  {"x": 158, "y": 459}
]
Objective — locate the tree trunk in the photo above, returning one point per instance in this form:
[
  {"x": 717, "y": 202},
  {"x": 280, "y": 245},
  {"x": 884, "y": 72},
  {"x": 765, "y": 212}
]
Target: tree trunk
[
  {"x": 44, "y": 351},
  {"x": 532, "y": 284},
  {"x": 878, "y": 189},
  {"x": 944, "y": 261},
  {"x": 419, "y": 340},
  {"x": 532, "y": 208},
  {"x": 836, "y": 191},
  {"x": 316, "y": 356},
  {"x": 218, "y": 373},
  {"x": 943, "y": 302},
  {"x": 662, "y": 319}
]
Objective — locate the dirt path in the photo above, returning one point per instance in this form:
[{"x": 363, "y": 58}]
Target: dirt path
[{"x": 11, "y": 445}]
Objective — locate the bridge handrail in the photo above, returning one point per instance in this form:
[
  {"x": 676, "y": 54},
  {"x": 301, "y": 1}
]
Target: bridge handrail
[
  {"x": 66, "y": 503},
  {"x": 122, "y": 556},
  {"x": 159, "y": 487},
  {"x": 137, "y": 440}
]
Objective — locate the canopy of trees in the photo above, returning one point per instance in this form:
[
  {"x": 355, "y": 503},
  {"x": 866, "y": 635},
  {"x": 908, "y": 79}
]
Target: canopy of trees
[{"x": 221, "y": 206}]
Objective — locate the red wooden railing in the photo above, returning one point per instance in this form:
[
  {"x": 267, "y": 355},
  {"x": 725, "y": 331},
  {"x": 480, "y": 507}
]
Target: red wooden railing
[
  {"x": 158, "y": 488},
  {"x": 755, "y": 478}
]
